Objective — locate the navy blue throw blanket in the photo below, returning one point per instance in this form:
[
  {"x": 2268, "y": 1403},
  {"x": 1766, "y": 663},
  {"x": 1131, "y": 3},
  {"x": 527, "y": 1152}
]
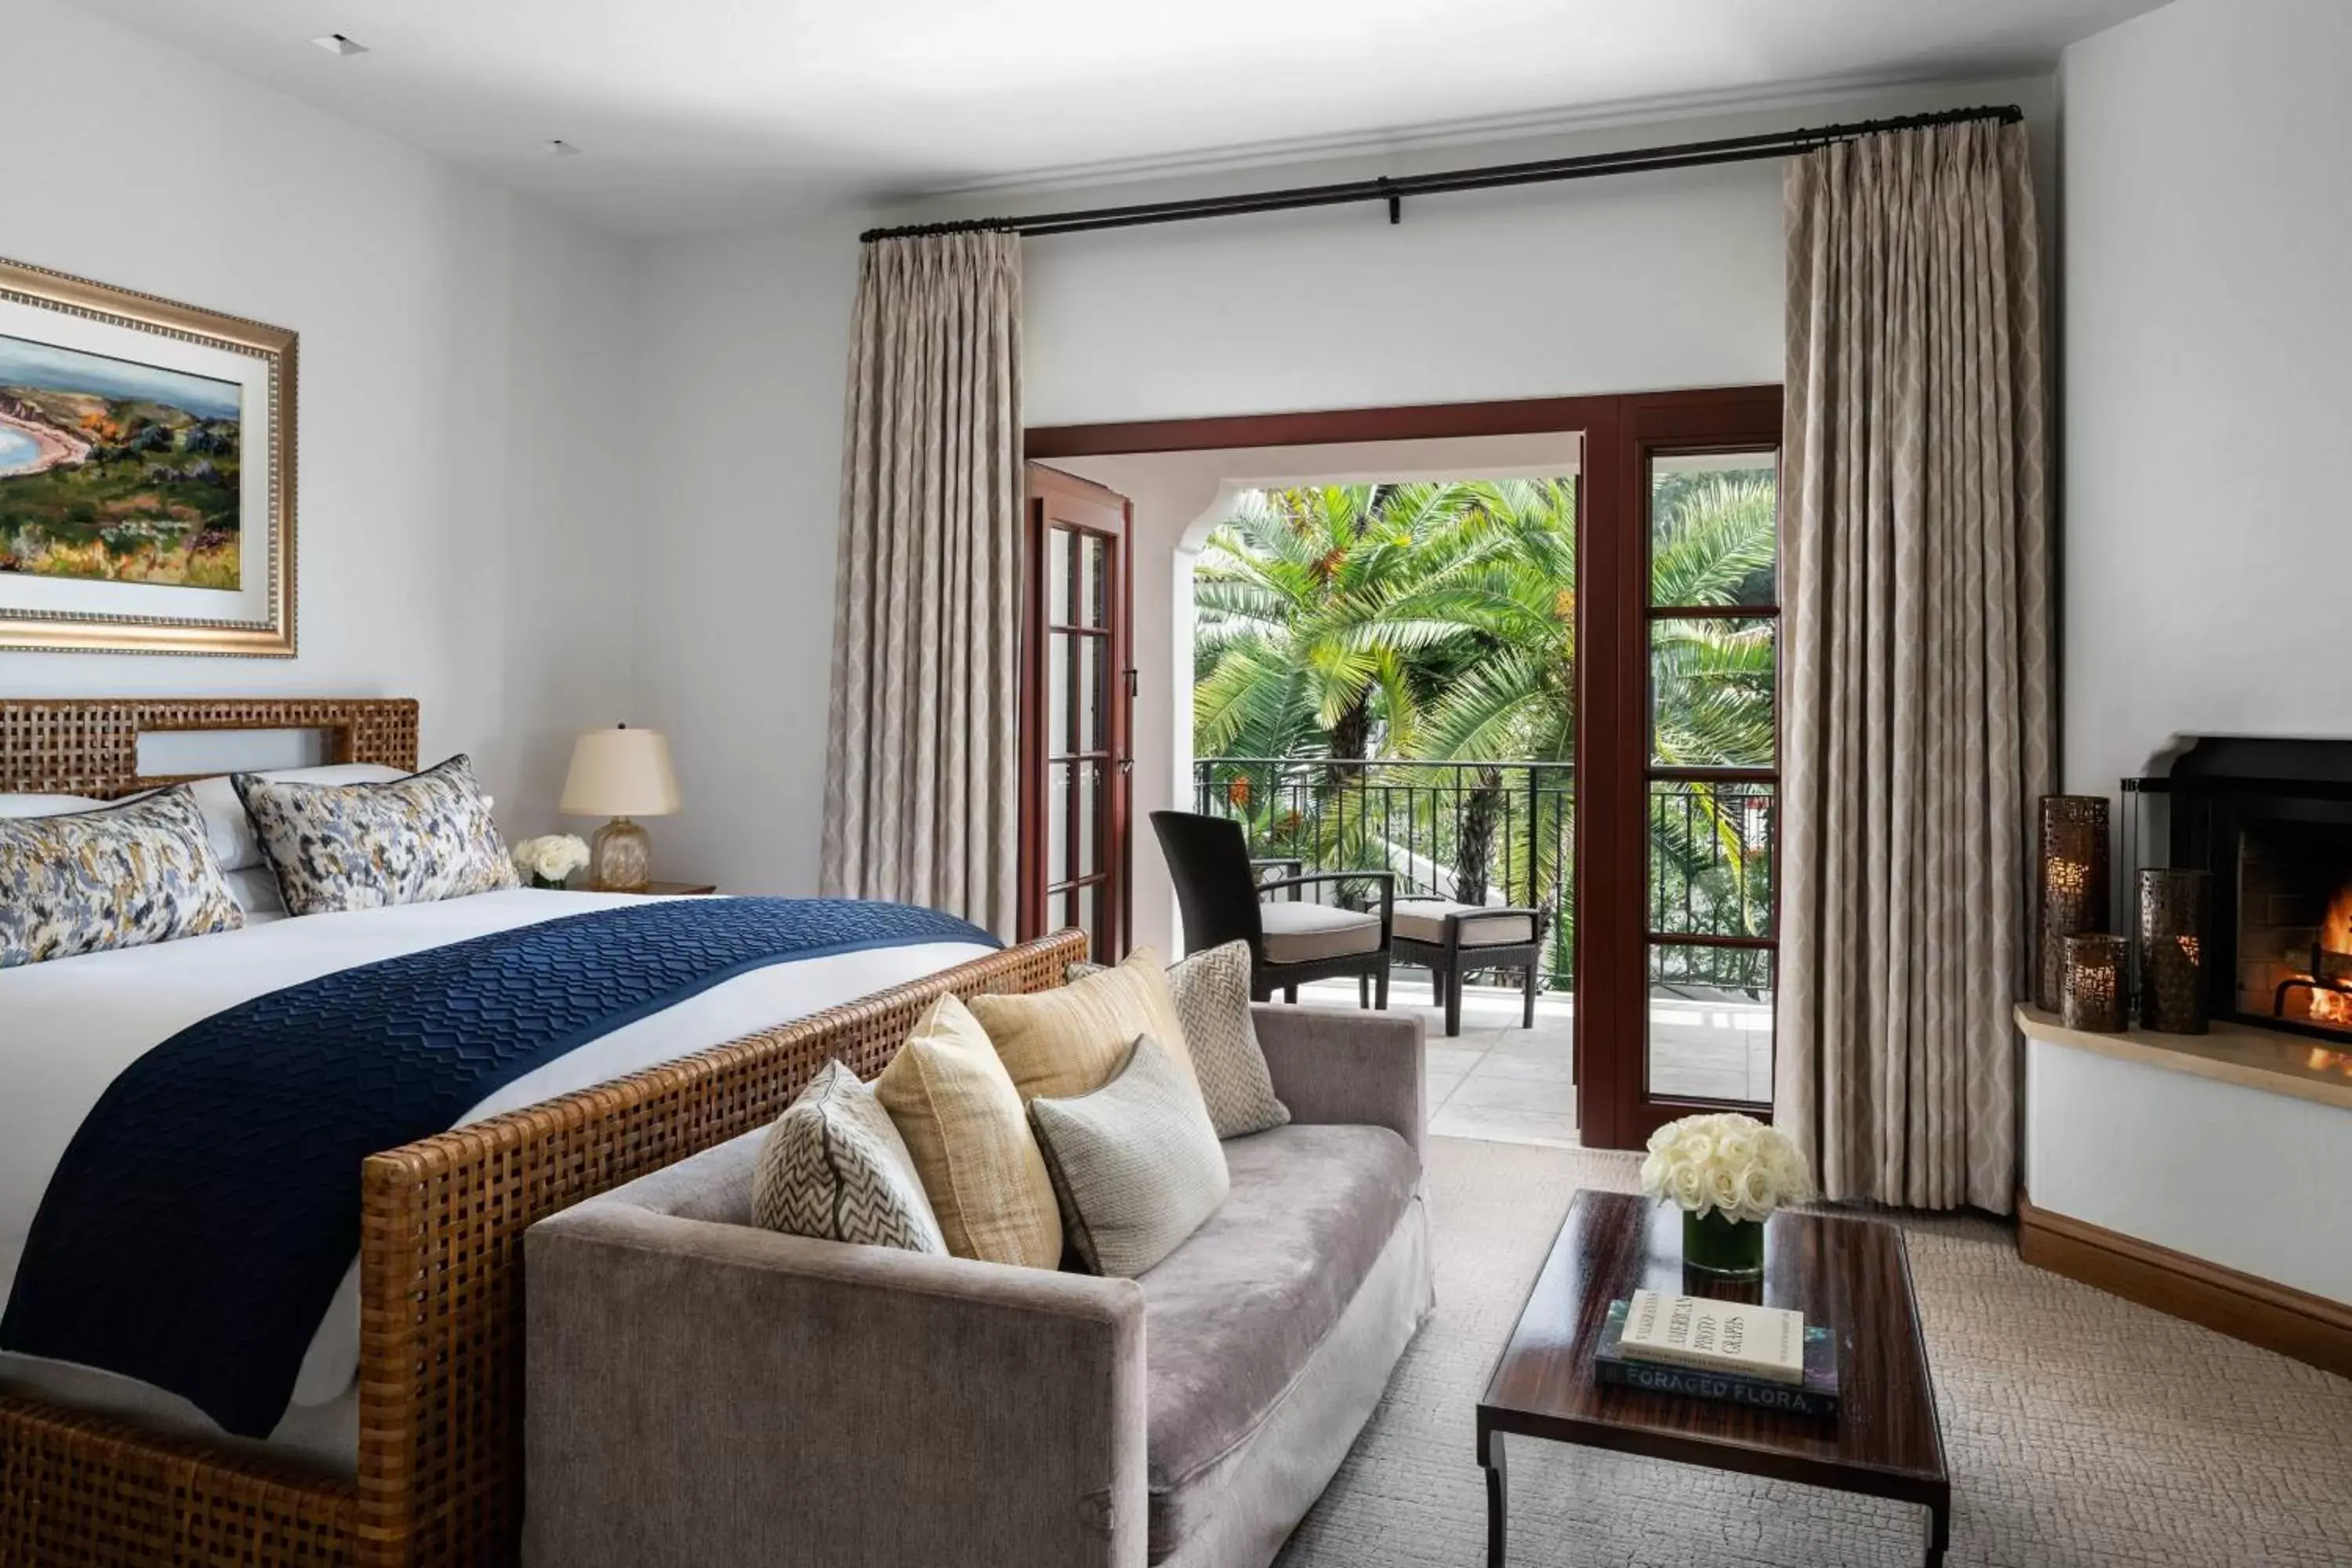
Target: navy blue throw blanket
[{"x": 205, "y": 1212}]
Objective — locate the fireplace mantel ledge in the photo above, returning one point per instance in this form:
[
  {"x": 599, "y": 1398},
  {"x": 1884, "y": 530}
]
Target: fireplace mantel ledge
[{"x": 2266, "y": 1060}]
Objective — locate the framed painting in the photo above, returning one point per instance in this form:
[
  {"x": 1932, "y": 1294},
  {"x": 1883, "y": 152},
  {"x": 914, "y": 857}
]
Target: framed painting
[{"x": 146, "y": 473}]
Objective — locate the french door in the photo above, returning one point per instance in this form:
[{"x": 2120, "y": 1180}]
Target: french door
[
  {"x": 1679, "y": 822},
  {"x": 1076, "y": 695},
  {"x": 1675, "y": 794}
]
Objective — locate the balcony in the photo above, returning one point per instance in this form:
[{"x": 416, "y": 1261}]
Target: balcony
[{"x": 1505, "y": 833}]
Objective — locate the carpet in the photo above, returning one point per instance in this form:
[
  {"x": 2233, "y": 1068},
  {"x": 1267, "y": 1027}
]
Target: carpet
[{"x": 2080, "y": 1429}]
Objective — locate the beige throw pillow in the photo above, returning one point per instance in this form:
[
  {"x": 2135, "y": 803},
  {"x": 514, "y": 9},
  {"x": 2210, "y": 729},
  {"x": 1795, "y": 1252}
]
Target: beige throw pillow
[
  {"x": 1070, "y": 1041},
  {"x": 1212, "y": 1002},
  {"x": 1136, "y": 1164},
  {"x": 955, "y": 1106}
]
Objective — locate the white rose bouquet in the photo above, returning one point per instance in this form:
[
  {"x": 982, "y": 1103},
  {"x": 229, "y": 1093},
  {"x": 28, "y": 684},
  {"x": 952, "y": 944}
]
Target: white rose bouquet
[
  {"x": 1728, "y": 1164},
  {"x": 548, "y": 861}
]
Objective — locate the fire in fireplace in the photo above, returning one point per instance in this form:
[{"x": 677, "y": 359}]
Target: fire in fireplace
[
  {"x": 2294, "y": 924},
  {"x": 2271, "y": 821}
]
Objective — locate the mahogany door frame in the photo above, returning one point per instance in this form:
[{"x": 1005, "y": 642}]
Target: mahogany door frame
[
  {"x": 1611, "y": 522},
  {"x": 1617, "y": 1110},
  {"x": 1034, "y": 919}
]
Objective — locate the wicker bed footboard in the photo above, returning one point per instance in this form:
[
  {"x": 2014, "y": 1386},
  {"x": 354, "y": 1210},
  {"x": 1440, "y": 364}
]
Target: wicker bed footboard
[{"x": 440, "y": 1483}]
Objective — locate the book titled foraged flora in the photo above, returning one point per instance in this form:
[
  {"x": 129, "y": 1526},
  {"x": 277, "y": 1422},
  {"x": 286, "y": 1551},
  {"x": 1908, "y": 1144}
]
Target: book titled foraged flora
[
  {"x": 1817, "y": 1395},
  {"x": 1767, "y": 1342}
]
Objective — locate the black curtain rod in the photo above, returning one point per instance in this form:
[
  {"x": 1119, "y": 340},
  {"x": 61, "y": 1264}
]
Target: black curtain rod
[{"x": 1393, "y": 189}]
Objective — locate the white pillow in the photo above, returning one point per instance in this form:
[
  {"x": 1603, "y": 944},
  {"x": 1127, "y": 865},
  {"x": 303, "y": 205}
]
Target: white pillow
[
  {"x": 255, "y": 892},
  {"x": 231, "y": 831},
  {"x": 46, "y": 805}
]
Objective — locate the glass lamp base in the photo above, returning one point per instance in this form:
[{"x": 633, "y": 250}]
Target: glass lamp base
[
  {"x": 620, "y": 859},
  {"x": 1714, "y": 1245}
]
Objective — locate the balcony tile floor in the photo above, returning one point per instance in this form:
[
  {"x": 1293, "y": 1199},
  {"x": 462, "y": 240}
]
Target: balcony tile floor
[{"x": 1504, "y": 1084}]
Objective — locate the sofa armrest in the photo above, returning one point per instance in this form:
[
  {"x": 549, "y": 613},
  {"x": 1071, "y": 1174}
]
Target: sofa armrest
[
  {"x": 1331, "y": 1065},
  {"x": 708, "y": 1393}
]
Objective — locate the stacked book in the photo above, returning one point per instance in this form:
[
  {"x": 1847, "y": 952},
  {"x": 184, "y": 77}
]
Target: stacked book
[{"x": 1727, "y": 1351}]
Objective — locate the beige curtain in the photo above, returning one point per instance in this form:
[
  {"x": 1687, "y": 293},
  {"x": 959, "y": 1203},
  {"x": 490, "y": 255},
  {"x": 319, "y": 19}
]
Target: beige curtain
[
  {"x": 921, "y": 798},
  {"x": 1915, "y": 706}
]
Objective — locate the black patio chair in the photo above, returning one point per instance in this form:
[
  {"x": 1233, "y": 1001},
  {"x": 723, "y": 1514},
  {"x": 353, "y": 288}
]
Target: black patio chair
[{"x": 1291, "y": 942}]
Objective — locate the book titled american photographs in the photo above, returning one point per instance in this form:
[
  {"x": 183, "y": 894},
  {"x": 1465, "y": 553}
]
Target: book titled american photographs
[
  {"x": 1815, "y": 1394},
  {"x": 1764, "y": 1342}
]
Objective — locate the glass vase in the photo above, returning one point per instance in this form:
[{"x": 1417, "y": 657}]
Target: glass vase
[{"x": 1714, "y": 1245}]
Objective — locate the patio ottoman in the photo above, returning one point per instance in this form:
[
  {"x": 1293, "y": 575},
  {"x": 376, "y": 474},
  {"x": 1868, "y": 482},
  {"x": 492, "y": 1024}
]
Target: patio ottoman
[{"x": 1451, "y": 938}]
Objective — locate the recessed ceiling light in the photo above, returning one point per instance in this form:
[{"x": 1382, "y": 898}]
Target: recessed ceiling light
[
  {"x": 337, "y": 44},
  {"x": 558, "y": 148}
]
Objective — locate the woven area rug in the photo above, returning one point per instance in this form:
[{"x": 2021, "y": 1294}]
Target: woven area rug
[{"x": 2080, "y": 1429}]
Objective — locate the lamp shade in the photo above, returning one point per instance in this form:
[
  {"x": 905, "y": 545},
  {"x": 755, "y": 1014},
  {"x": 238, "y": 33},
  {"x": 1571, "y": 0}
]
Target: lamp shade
[{"x": 620, "y": 772}]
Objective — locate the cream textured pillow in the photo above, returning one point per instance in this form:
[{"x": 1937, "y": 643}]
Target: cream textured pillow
[
  {"x": 1212, "y": 1002},
  {"x": 953, "y": 1101},
  {"x": 1136, "y": 1164},
  {"x": 833, "y": 1167},
  {"x": 1070, "y": 1041}
]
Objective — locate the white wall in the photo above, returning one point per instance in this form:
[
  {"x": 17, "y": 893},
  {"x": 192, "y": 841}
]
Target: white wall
[
  {"x": 2207, "y": 215},
  {"x": 464, "y": 369},
  {"x": 2206, "y": 463},
  {"x": 745, "y": 340},
  {"x": 1637, "y": 283}
]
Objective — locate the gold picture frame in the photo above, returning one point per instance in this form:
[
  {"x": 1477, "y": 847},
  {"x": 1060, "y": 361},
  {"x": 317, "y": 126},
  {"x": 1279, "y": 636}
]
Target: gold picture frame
[{"x": 245, "y": 606}]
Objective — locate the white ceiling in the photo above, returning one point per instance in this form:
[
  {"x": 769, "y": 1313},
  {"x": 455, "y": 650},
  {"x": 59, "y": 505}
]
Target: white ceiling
[{"x": 710, "y": 113}]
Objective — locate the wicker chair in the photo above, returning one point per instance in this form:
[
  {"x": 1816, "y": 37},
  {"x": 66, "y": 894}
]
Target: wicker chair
[{"x": 1219, "y": 889}]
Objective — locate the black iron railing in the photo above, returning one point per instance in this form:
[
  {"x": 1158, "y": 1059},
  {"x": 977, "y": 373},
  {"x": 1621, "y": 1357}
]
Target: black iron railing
[{"x": 1506, "y": 832}]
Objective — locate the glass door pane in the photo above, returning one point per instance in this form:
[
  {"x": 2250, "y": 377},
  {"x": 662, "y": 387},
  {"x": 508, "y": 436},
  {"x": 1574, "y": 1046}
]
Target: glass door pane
[
  {"x": 1710, "y": 1023},
  {"x": 1712, "y": 533},
  {"x": 1711, "y": 641},
  {"x": 1712, "y": 696},
  {"x": 1075, "y": 723}
]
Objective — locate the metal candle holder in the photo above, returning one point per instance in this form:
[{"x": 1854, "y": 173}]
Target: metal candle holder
[
  {"x": 2093, "y": 998},
  {"x": 2170, "y": 976},
  {"x": 2071, "y": 896}
]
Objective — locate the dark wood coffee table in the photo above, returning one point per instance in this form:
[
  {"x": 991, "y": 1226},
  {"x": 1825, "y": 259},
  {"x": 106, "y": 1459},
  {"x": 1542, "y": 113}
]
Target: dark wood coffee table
[{"x": 1849, "y": 1274}]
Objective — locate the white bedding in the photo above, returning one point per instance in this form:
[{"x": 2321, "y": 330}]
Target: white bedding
[{"x": 67, "y": 1027}]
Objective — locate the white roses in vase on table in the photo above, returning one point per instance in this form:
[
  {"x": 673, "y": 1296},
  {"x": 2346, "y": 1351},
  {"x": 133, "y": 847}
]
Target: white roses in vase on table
[
  {"x": 1727, "y": 1174},
  {"x": 548, "y": 861},
  {"x": 1728, "y": 1164}
]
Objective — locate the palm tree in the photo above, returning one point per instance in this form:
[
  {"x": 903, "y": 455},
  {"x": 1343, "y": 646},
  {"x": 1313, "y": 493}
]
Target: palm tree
[
  {"x": 1301, "y": 652},
  {"x": 1713, "y": 545},
  {"x": 1512, "y": 693},
  {"x": 1439, "y": 621},
  {"x": 1299, "y": 647}
]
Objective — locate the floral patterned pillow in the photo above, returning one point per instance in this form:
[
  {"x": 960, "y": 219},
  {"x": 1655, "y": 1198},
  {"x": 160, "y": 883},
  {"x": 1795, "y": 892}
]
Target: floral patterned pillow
[
  {"x": 415, "y": 841},
  {"x": 125, "y": 876}
]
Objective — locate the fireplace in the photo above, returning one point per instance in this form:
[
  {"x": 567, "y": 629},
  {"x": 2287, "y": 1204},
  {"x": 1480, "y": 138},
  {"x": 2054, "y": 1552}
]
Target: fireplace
[
  {"x": 2271, "y": 820},
  {"x": 2294, "y": 923}
]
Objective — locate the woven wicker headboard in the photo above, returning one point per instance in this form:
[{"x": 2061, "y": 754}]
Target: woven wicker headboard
[{"x": 90, "y": 745}]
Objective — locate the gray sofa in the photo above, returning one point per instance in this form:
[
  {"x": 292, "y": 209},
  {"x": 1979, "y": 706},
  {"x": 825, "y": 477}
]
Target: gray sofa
[{"x": 706, "y": 1392}]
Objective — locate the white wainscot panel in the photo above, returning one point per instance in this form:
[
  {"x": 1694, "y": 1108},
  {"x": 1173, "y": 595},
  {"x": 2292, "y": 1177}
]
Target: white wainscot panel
[{"x": 2242, "y": 1177}]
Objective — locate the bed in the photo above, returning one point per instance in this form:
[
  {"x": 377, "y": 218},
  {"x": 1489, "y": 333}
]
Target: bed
[{"x": 420, "y": 1460}]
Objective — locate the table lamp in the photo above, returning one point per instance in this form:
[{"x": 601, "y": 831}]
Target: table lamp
[{"x": 621, "y": 773}]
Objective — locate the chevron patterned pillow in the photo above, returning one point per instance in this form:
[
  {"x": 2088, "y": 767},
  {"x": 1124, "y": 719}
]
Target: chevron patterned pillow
[{"x": 835, "y": 1168}]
